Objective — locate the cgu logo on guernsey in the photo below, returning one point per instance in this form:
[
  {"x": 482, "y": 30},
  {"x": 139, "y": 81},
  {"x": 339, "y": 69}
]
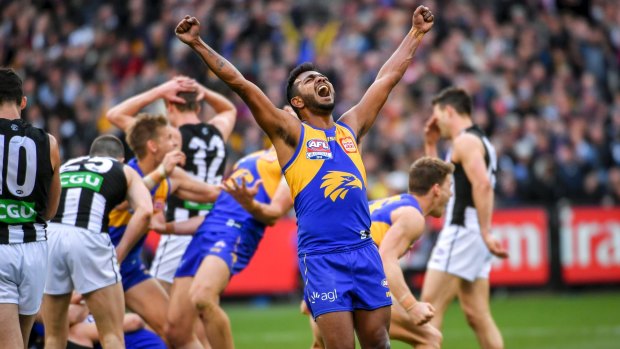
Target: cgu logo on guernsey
[
  {"x": 318, "y": 149},
  {"x": 330, "y": 296},
  {"x": 14, "y": 212},
  {"x": 87, "y": 180}
]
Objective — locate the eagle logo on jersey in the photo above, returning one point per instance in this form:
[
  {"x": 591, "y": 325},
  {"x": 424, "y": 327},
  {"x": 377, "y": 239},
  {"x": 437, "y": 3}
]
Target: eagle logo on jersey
[{"x": 338, "y": 183}]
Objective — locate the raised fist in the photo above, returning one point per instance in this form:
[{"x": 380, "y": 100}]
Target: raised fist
[
  {"x": 188, "y": 29},
  {"x": 423, "y": 19}
]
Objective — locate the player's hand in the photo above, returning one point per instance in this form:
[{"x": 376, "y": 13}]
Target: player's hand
[
  {"x": 495, "y": 246},
  {"x": 158, "y": 222},
  {"x": 170, "y": 89},
  {"x": 188, "y": 30},
  {"x": 421, "y": 313},
  {"x": 172, "y": 159},
  {"x": 431, "y": 131},
  {"x": 423, "y": 19},
  {"x": 242, "y": 193}
]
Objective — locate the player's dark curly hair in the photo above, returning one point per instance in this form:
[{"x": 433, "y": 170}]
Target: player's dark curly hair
[{"x": 291, "y": 89}]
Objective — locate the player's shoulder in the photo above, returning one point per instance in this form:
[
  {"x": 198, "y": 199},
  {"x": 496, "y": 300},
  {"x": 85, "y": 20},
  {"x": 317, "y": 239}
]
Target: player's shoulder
[
  {"x": 466, "y": 142},
  {"x": 408, "y": 216}
]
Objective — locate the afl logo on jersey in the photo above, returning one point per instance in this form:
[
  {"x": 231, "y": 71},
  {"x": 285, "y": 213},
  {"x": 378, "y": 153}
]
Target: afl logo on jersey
[
  {"x": 318, "y": 149},
  {"x": 348, "y": 145}
]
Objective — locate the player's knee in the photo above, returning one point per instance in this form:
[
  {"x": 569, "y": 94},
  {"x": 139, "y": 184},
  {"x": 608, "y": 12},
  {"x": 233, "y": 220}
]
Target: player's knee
[
  {"x": 474, "y": 318},
  {"x": 176, "y": 334},
  {"x": 377, "y": 340},
  {"x": 434, "y": 338},
  {"x": 204, "y": 299}
]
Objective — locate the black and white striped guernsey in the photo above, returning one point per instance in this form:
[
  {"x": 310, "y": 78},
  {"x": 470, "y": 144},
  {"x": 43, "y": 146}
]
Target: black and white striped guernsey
[
  {"x": 25, "y": 177},
  {"x": 457, "y": 212},
  {"x": 91, "y": 188},
  {"x": 205, "y": 152}
]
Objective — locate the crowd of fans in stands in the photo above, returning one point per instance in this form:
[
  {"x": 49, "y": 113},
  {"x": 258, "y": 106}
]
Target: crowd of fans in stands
[{"x": 544, "y": 75}]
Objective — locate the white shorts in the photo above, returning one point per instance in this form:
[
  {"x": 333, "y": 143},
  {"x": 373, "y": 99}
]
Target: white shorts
[
  {"x": 22, "y": 275},
  {"x": 168, "y": 256},
  {"x": 79, "y": 259},
  {"x": 462, "y": 252}
]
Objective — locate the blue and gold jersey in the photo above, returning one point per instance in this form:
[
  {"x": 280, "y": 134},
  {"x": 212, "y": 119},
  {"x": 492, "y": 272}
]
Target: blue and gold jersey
[
  {"x": 227, "y": 213},
  {"x": 328, "y": 183},
  {"x": 120, "y": 217},
  {"x": 381, "y": 212}
]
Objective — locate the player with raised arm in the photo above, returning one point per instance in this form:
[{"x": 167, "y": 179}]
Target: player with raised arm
[
  {"x": 398, "y": 222},
  {"x": 29, "y": 194},
  {"x": 222, "y": 246},
  {"x": 151, "y": 139},
  {"x": 461, "y": 259},
  {"x": 321, "y": 162},
  {"x": 81, "y": 255},
  {"x": 203, "y": 144}
]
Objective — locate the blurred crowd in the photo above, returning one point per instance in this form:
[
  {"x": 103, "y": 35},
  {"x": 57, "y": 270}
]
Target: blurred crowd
[{"x": 544, "y": 75}]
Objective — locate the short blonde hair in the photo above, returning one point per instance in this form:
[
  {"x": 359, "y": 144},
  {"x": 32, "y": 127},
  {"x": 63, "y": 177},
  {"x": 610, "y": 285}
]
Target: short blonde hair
[{"x": 144, "y": 128}]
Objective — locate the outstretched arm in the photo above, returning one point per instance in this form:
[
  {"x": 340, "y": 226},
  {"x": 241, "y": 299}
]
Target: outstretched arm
[
  {"x": 407, "y": 226},
  {"x": 122, "y": 115},
  {"x": 188, "y": 188},
  {"x": 361, "y": 117},
  {"x": 280, "y": 126},
  {"x": 280, "y": 204}
]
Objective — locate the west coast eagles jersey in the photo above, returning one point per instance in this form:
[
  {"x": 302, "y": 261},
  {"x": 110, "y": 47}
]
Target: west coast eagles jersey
[
  {"x": 381, "y": 212},
  {"x": 328, "y": 183},
  {"x": 120, "y": 218}
]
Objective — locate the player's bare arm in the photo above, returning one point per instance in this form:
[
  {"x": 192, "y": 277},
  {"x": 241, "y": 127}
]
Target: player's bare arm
[
  {"x": 188, "y": 227},
  {"x": 187, "y": 188},
  {"x": 226, "y": 113},
  {"x": 53, "y": 197},
  {"x": 469, "y": 152},
  {"x": 122, "y": 115},
  {"x": 171, "y": 160},
  {"x": 139, "y": 199},
  {"x": 407, "y": 226},
  {"x": 282, "y": 128},
  {"x": 362, "y": 116},
  {"x": 268, "y": 214}
]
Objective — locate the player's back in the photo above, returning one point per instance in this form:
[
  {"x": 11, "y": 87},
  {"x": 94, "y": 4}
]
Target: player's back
[
  {"x": 461, "y": 210},
  {"x": 227, "y": 213},
  {"x": 205, "y": 151},
  {"x": 25, "y": 177},
  {"x": 381, "y": 213},
  {"x": 328, "y": 183},
  {"x": 91, "y": 188}
]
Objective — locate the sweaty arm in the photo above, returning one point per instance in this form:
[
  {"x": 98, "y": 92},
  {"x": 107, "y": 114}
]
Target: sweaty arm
[
  {"x": 407, "y": 227},
  {"x": 282, "y": 128},
  {"x": 53, "y": 197},
  {"x": 188, "y": 188},
  {"x": 363, "y": 115},
  {"x": 140, "y": 201},
  {"x": 280, "y": 204},
  {"x": 469, "y": 152}
]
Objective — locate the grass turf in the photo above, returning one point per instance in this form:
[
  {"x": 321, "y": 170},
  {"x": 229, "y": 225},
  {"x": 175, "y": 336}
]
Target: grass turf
[{"x": 585, "y": 320}]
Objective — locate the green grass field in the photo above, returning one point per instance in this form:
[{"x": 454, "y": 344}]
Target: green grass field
[{"x": 585, "y": 320}]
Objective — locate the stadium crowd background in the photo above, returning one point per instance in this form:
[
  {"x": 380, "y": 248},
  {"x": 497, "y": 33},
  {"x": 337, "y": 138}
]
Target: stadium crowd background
[{"x": 544, "y": 75}]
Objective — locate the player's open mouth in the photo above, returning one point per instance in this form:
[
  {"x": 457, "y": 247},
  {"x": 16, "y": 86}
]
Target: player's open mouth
[{"x": 323, "y": 91}]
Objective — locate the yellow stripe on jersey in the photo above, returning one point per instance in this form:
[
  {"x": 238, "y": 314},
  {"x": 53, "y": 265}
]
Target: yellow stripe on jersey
[
  {"x": 378, "y": 231},
  {"x": 302, "y": 170},
  {"x": 120, "y": 217},
  {"x": 269, "y": 170}
]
